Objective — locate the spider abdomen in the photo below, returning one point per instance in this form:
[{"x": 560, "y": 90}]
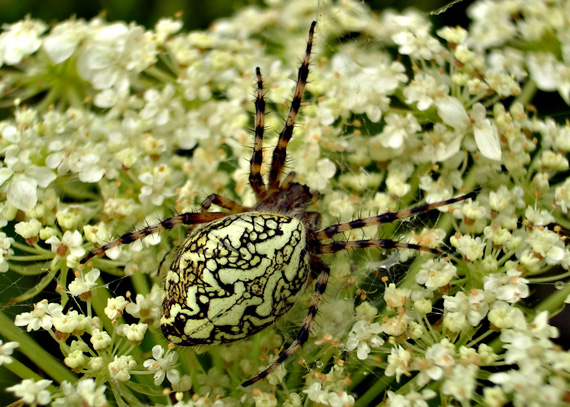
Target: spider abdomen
[{"x": 233, "y": 277}]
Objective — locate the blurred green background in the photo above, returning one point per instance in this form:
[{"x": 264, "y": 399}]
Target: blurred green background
[{"x": 195, "y": 13}]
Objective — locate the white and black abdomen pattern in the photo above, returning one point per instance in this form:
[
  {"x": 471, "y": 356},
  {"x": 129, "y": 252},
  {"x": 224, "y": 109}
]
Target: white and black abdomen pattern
[{"x": 233, "y": 277}]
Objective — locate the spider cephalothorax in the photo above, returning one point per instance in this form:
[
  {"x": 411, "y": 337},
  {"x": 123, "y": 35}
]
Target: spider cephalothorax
[{"x": 242, "y": 270}]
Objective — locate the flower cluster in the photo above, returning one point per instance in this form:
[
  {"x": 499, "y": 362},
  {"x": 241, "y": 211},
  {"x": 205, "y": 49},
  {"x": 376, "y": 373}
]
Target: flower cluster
[{"x": 112, "y": 125}]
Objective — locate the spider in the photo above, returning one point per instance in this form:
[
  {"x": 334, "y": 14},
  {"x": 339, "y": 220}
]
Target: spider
[{"x": 241, "y": 271}]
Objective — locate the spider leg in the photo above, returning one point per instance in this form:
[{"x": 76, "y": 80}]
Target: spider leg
[
  {"x": 280, "y": 152},
  {"x": 333, "y": 230},
  {"x": 334, "y": 247},
  {"x": 182, "y": 219},
  {"x": 303, "y": 335},
  {"x": 255, "y": 179},
  {"x": 222, "y": 202},
  {"x": 288, "y": 180}
]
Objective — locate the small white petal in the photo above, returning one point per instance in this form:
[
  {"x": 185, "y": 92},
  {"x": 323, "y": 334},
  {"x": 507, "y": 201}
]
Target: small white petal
[
  {"x": 453, "y": 113},
  {"x": 487, "y": 139}
]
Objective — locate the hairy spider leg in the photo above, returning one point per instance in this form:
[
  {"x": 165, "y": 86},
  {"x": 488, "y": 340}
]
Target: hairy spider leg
[
  {"x": 280, "y": 152},
  {"x": 334, "y": 247},
  {"x": 330, "y": 231},
  {"x": 288, "y": 180},
  {"x": 222, "y": 202},
  {"x": 255, "y": 178},
  {"x": 169, "y": 223},
  {"x": 324, "y": 272}
]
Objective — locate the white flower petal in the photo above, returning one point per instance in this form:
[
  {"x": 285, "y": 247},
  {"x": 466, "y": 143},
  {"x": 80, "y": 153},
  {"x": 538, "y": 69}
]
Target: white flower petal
[
  {"x": 487, "y": 139},
  {"x": 22, "y": 192},
  {"x": 453, "y": 113}
]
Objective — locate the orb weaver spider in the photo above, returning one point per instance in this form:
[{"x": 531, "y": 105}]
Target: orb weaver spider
[{"x": 242, "y": 270}]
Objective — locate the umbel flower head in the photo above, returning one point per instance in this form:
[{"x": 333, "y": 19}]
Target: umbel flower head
[{"x": 107, "y": 125}]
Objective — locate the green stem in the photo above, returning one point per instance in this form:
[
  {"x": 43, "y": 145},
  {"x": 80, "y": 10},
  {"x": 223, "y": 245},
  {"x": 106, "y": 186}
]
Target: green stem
[
  {"x": 20, "y": 370},
  {"x": 527, "y": 93}
]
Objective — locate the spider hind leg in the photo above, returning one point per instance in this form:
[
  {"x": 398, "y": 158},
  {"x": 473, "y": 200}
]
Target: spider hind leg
[
  {"x": 317, "y": 266},
  {"x": 333, "y": 230}
]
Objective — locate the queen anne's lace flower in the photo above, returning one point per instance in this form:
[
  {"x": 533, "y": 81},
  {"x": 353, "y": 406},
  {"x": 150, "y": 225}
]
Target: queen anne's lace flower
[
  {"x": 163, "y": 365},
  {"x": 41, "y": 317},
  {"x": 363, "y": 337},
  {"x": 32, "y": 392},
  {"x": 6, "y": 350}
]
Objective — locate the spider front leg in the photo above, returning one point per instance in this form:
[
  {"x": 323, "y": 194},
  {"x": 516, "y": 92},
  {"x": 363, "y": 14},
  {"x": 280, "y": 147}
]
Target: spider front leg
[
  {"x": 280, "y": 152},
  {"x": 183, "y": 219},
  {"x": 317, "y": 266},
  {"x": 255, "y": 179}
]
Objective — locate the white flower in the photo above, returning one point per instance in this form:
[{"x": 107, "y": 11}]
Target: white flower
[
  {"x": 20, "y": 39},
  {"x": 84, "y": 284},
  {"x": 133, "y": 332},
  {"x": 68, "y": 323},
  {"x": 32, "y": 392},
  {"x": 547, "y": 244},
  {"x": 461, "y": 309},
  {"x": 110, "y": 56},
  {"x": 63, "y": 39},
  {"x": 115, "y": 307},
  {"x": 461, "y": 383},
  {"x": 453, "y": 113},
  {"x": 100, "y": 339},
  {"x": 84, "y": 393},
  {"x": 162, "y": 366},
  {"x": 40, "y": 317},
  {"x": 435, "y": 274},
  {"x": 155, "y": 189},
  {"x": 418, "y": 45},
  {"x": 71, "y": 244},
  {"x": 5, "y": 250},
  {"x": 318, "y": 180},
  {"x": 471, "y": 248},
  {"x": 316, "y": 393},
  {"x": 549, "y": 73},
  {"x": 120, "y": 368},
  {"x": 438, "y": 359},
  {"x": 28, "y": 229},
  {"x": 161, "y": 105},
  {"x": 75, "y": 359},
  {"x": 410, "y": 399},
  {"x": 146, "y": 308},
  {"x": 395, "y": 297},
  {"x": 6, "y": 350},
  {"x": 397, "y": 129},
  {"x": 363, "y": 337},
  {"x": 509, "y": 287},
  {"x": 425, "y": 90},
  {"x": 503, "y": 315},
  {"x": 399, "y": 362}
]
